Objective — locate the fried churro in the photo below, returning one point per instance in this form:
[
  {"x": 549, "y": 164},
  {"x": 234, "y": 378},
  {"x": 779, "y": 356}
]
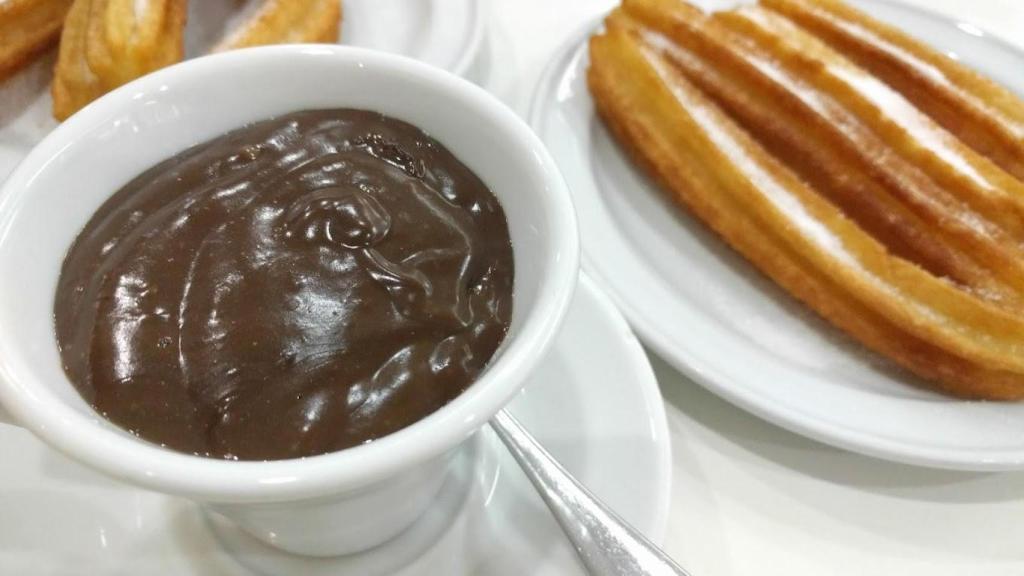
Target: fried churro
[
  {"x": 789, "y": 229},
  {"x": 833, "y": 149},
  {"x": 107, "y": 43},
  {"x": 975, "y": 180},
  {"x": 977, "y": 110},
  {"x": 27, "y": 28},
  {"x": 287, "y": 21}
]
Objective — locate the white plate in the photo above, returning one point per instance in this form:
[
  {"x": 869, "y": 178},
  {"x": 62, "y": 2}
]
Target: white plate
[
  {"x": 445, "y": 33},
  {"x": 594, "y": 404},
  {"x": 716, "y": 319}
]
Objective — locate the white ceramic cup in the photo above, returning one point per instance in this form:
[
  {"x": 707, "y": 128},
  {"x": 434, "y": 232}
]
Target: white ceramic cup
[{"x": 332, "y": 504}]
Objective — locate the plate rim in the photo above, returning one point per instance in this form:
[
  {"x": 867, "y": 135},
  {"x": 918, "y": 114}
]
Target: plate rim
[
  {"x": 462, "y": 58},
  {"x": 481, "y": 10},
  {"x": 704, "y": 372},
  {"x": 650, "y": 393}
]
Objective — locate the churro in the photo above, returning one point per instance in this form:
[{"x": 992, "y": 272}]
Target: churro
[
  {"x": 974, "y": 179},
  {"x": 107, "y": 43},
  {"x": 287, "y": 21},
  {"x": 833, "y": 149},
  {"x": 27, "y": 28},
  {"x": 977, "y": 110},
  {"x": 791, "y": 231}
]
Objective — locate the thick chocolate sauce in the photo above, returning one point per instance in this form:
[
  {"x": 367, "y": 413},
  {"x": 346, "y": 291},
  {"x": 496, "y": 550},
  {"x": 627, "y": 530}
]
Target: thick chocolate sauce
[{"x": 294, "y": 287}]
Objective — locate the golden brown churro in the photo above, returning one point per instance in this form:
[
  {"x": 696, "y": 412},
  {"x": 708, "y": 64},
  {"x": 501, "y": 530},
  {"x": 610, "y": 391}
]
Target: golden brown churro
[
  {"x": 288, "y": 21},
  {"x": 107, "y": 43},
  {"x": 834, "y": 150},
  {"x": 27, "y": 28},
  {"x": 793, "y": 232},
  {"x": 74, "y": 83},
  {"x": 973, "y": 178},
  {"x": 979, "y": 111}
]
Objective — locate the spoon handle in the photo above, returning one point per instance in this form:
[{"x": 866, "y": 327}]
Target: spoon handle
[{"x": 607, "y": 545}]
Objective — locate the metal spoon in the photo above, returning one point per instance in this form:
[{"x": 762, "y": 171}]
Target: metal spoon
[{"x": 607, "y": 545}]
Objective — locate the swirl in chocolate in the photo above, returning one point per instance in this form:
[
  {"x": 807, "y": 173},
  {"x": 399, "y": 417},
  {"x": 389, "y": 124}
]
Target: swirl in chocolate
[{"x": 297, "y": 286}]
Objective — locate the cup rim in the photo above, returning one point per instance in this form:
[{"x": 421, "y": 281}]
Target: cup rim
[{"x": 88, "y": 439}]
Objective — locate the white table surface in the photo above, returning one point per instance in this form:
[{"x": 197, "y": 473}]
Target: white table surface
[{"x": 752, "y": 499}]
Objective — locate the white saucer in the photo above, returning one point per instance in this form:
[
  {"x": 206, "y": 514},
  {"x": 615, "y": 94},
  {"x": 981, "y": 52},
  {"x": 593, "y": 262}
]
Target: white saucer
[
  {"x": 594, "y": 404},
  {"x": 717, "y": 320},
  {"x": 445, "y": 33}
]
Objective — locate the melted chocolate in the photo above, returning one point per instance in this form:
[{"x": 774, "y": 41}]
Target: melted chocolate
[{"x": 294, "y": 287}]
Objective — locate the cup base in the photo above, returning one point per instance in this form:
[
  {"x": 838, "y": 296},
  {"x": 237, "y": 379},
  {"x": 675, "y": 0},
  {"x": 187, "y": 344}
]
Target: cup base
[{"x": 387, "y": 558}]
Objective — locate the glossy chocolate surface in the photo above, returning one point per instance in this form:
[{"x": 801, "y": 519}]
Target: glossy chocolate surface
[{"x": 295, "y": 287}]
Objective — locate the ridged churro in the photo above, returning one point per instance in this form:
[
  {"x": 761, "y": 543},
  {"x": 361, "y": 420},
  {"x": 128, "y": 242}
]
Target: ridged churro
[
  {"x": 972, "y": 178},
  {"x": 27, "y": 28},
  {"x": 790, "y": 229},
  {"x": 977, "y": 110},
  {"x": 287, "y": 21},
  {"x": 107, "y": 43},
  {"x": 833, "y": 149}
]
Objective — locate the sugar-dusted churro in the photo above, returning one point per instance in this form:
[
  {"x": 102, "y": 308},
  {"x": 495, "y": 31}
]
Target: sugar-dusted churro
[
  {"x": 979, "y": 111},
  {"x": 837, "y": 152},
  {"x": 974, "y": 179},
  {"x": 794, "y": 234}
]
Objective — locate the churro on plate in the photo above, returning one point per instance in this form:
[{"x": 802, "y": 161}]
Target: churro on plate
[
  {"x": 27, "y": 28},
  {"x": 107, "y": 43},
  {"x": 834, "y": 148},
  {"x": 979, "y": 111},
  {"x": 287, "y": 21},
  {"x": 826, "y": 179}
]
